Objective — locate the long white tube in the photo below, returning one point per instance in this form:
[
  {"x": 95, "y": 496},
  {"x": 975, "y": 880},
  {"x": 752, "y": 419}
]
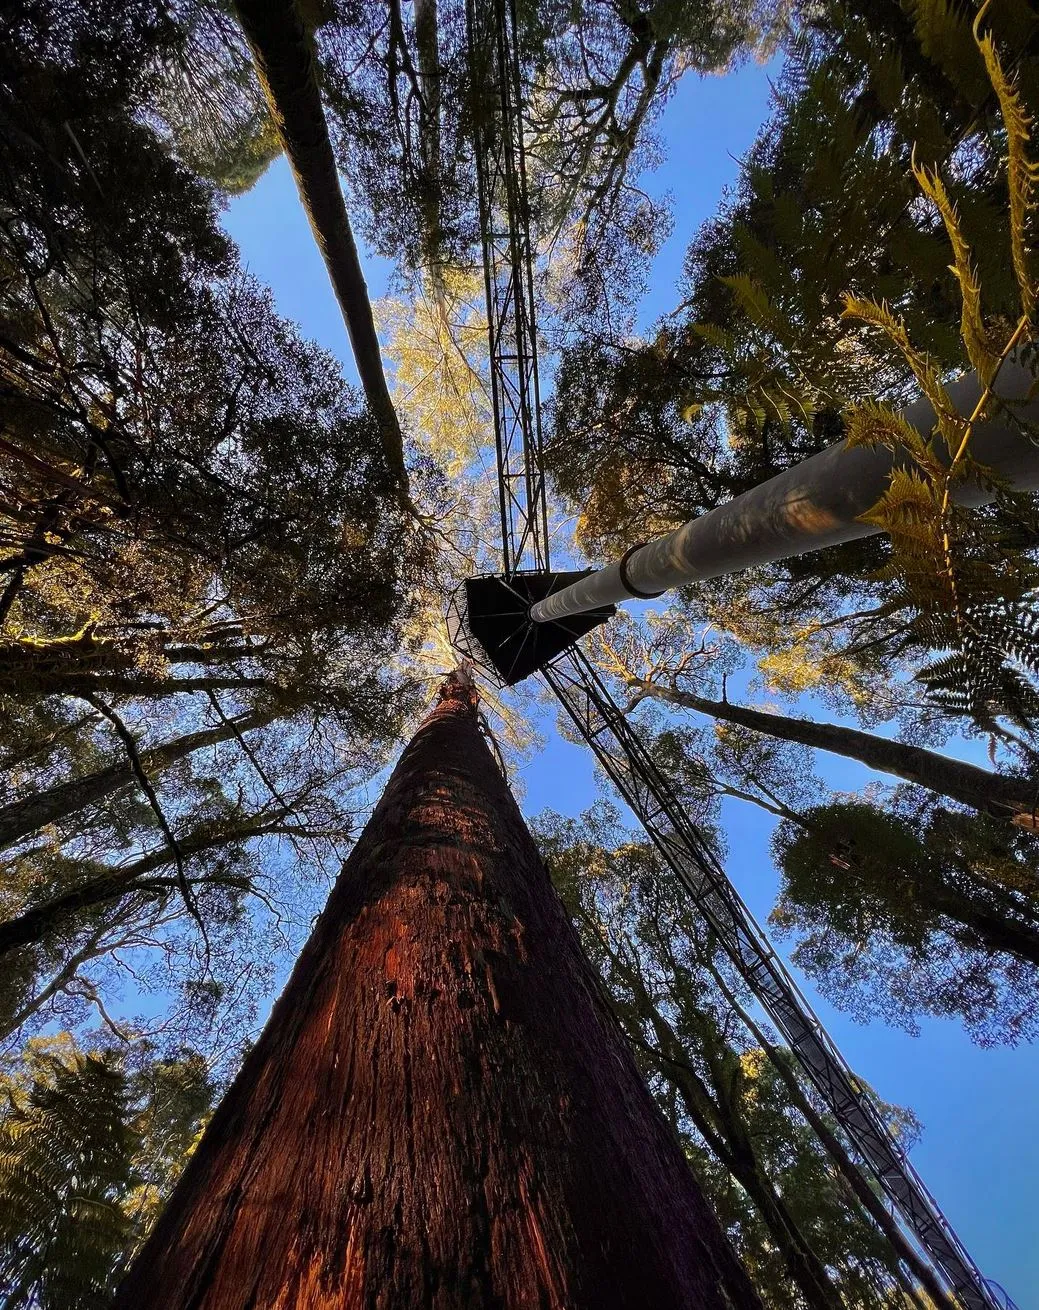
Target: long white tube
[{"x": 814, "y": 504}]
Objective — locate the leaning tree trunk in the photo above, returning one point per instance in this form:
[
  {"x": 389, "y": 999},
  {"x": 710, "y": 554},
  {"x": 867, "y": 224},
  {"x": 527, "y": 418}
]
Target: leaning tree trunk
[
  {"x": 846, "y": 1167},
  {"x": 30, "y": 813},
  {"x": 1006, "y": 797},
  {"x": 285, "y": 57},
  {"x": 441, "y": 1110},
  {"x": 725, "y": 1132}
]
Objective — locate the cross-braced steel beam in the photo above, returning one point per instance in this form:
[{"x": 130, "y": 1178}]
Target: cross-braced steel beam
[
  {"x": 508, "y": 273},
  {"x": 624, "y": 758}
]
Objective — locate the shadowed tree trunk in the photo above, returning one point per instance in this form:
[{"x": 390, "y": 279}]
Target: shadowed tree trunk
[
  {"x": 994, "y": 793},
  {"x": 283, "y": 51},
  {"x": 27, "y": 815},
  {"x": 441, "y": 1110},
  {"x": 716, "y": 1112},
  {"x": 985, "y": 924},
  {"x": 113, "y": 884},
  {"x": 845, "y": 1166}
]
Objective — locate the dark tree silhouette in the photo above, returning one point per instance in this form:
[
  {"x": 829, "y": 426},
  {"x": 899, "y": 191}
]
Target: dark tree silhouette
[
  {"x": 1003, "y": 795},
  {"x": 283, "y": 49}
]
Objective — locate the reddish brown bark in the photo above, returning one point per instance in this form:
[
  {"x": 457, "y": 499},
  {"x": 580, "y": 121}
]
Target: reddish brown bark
[{"x": 441, "y": 1111}]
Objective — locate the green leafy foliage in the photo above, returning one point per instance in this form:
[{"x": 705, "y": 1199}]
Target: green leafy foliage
[
  {"x": 198, "y": 534},
  {"x": 862, "y": 258},
  {"x": 779, "y": 1193},
  {"x": 913, "y": 910},
  {"x": 89, "y": 1143},
  {"x": 65, "y": 1157}
]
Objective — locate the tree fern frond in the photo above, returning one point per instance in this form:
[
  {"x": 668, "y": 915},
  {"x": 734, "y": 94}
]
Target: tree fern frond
[
  {"x": 908, "y": 501},
  {"x": 873, "y": 424},
  {"x": 714, "y": 335},
  {"x": 65, "y": 1157},
  {"x": 980, "y": 351},
  {"x": 924, "y": 370},
  {"x": 944, "y": 32},
  {"x": 753, "y": 299}
]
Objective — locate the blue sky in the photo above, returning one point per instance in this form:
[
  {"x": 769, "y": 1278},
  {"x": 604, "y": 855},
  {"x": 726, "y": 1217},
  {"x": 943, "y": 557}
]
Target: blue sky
[{"x": 979, "y": 1154}]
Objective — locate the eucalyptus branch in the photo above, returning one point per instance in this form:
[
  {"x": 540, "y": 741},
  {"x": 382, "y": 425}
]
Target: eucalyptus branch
[{"x": 130, "y": 746}]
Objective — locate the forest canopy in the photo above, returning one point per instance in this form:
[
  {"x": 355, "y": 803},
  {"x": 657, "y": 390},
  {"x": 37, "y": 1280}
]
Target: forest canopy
[{"x": 225, "y": 566}]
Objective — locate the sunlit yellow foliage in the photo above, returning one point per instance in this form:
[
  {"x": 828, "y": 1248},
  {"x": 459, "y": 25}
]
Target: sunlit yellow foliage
[
  {"x": 437, "y": 346},
  {"x": 964, "y": 592},
  {"x": 977, "y": 339},
  {"x": 807, "y": 664},
  {"x": 1022, "y": 172},
  {"x": 618, "y": 486}
]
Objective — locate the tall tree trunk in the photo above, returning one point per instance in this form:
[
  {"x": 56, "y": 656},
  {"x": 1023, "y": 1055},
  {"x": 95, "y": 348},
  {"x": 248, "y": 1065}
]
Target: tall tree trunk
[
  {"x": 283, "y": 51},
  {"x": 843, "y": 1163},
  {"x": 987, "y": 925},
  {"x": 716, "y": 1116},
  {"x": 1005, "y": 797},
  {"x": 427, "y": 56},
  {"x": 441, "y": 1110},
  {"x": 114, "y": 883},
  {"x": 725, "y": 1132},
  {"x": 30, "y": 813}
]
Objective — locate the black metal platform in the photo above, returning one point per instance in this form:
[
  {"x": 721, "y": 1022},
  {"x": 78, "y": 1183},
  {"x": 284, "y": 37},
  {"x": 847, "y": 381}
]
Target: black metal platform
[{"x": 510, "y": 642}]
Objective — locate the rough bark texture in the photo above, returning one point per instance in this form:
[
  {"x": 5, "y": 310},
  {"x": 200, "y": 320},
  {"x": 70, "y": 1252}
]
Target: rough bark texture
[
  {"x": 441, "y": 1110},
  {"x": 998, "y": 794},
  {"x": 283, "y": 51}
]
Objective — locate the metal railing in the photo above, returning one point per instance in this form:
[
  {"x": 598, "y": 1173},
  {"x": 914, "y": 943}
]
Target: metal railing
[{"x": 631, "y": 768}]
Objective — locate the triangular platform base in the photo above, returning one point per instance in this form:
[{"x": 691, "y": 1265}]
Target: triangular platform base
[{"x": 497, "y": 616}]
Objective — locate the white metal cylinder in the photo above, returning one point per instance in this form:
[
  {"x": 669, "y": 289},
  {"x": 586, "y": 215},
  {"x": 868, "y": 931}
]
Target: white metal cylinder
[{"x": 814, "y": 504}]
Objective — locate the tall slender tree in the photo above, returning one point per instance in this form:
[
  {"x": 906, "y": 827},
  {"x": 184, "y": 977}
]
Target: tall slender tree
[
  {"x": 441, "y": 1108},
  {"x": 283, "y": 48},
  {"x": 1005, "y": 796},
  {"x": 21, "y": 817}
]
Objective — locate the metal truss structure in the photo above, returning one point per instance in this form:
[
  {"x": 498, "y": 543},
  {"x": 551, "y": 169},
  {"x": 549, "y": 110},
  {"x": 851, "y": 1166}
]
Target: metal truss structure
[
  {"x": 625, "y": 760},
  {"x": 501, "y": 175},
  {"x": 501, "y": 172}
]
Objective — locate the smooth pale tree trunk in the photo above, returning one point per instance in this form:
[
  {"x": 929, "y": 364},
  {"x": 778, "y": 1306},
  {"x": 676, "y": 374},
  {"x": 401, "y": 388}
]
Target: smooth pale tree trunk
[
  {"x": 1004, "y": 797},
  {"x": 285, "y": 58},
  {"x": 441, "y": 1110},
  {"x": 814, "y": 504},
  {"x": 10, "y": 1023},
  {"x": 31, "y": 813}
]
